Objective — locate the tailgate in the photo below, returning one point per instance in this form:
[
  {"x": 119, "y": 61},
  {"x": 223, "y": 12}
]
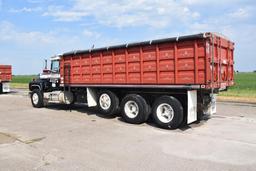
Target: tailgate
[{"x": 221, "y": 61}]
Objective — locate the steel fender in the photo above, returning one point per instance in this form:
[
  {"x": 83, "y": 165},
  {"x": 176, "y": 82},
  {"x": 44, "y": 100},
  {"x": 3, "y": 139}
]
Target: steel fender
[
  {"x": 37, "y": 86},
  {"x": 91, "y": 97},
  {"x": 192, "y": 106}
]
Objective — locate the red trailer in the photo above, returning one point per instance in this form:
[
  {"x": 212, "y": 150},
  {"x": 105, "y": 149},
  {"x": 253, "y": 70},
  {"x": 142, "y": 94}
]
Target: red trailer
[
  {"x": 173, "y": 79},
  {"x": 5, "y": 78}
]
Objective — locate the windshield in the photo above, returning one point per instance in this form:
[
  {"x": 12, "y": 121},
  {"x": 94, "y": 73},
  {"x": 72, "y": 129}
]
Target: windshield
[{"x": 55, "y": 66}]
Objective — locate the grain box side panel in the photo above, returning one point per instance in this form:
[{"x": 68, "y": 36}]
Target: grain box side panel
[
  {"x": 185, "y": 63},
  {"x": 119, "y": 66},
  {"x": 134, "y": 66},
  {"x": 107, "y": 67},
  {"x": 149, "y": 64},
  {"x": 85, "y": 69},
  {"x": 96, "y": 73},
  {"x": 166, "y": 63}
]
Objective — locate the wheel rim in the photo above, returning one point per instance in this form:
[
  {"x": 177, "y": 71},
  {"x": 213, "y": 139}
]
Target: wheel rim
[
  {"x": 35, "y": 98},
  {"x": 165, "y": 113},
  {"x": 105, "y": 101},
  {"x": 131, "y": 109}
]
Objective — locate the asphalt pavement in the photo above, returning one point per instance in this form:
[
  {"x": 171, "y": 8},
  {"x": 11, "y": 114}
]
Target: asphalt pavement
[{"x": 63, "y": 138}]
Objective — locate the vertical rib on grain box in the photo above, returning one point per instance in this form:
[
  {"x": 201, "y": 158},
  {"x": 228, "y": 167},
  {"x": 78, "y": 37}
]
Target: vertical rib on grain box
[
  {"x": 173, "y": 79},
  {"x": 5, "y": 78}
]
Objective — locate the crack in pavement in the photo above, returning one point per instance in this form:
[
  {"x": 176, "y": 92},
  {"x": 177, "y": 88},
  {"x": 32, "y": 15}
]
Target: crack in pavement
[{"x": 6, "y": 138}]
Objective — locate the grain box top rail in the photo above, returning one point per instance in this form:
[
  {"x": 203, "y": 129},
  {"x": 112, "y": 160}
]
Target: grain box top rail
[{"x": 172, "y": 39}]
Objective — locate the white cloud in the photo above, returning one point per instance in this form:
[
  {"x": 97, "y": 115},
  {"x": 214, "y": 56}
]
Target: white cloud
[
  {"x": 60, "y": 14},
  {"x": 226, "y": 22},
  {"x": 126, "y": 13},
  {"x": 8, "y": 33},
  {"x": 241, "y": 13},
  {"x": 38, "y": 1},
  {"x": 209, "y": 3},
  {"x": 58, "y": 40},
  {"x": 25, "y": 9},
  {"x": 91, "y": 34},
  {"x": 34, "y": 1}
]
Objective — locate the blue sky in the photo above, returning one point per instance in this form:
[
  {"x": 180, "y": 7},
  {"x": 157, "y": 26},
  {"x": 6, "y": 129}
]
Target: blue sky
[{"x": 33, "y": 30}]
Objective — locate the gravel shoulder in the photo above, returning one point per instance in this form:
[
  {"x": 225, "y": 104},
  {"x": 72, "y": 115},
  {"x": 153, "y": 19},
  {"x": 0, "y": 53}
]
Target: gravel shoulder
[{"x": 249, "y": 100}]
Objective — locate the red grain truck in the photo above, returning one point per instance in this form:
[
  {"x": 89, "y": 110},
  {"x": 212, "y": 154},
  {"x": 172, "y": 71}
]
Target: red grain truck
[
  {"x": 174, "y": 80},
  {"x": 5, "y": 78}
]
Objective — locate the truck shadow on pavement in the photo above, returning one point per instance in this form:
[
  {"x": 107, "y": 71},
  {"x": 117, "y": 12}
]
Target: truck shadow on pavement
[
  {"x": 78, "y": 108},
  {"x": 84, "y": 109}
]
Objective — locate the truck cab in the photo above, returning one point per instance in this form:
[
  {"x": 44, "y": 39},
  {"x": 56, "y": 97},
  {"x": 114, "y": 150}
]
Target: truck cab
[
  {"x": 46, "y": 88},
  {"x": 49, "y": 79}
]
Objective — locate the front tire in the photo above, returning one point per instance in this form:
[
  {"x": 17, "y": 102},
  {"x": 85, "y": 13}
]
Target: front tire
[
  {"x": 108, "y": 103},
  {"x": 135, "y": 109},
  {"x": 167, "y": 112},
  {"x": 37, "y": 99}
]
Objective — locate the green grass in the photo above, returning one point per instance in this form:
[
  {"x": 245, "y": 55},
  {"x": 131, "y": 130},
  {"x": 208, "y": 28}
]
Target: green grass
[
  {"x": 22, "y": 78},
  {"x": 245, "y": 86},
  {"x": 21, "y": 81},
  {"x": 19, "y": 85}
]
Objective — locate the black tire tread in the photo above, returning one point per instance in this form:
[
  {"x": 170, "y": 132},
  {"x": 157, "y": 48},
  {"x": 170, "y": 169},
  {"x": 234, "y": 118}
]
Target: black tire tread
[
  {"x": 144, "y": 110},
  {"x": 40, "y": 98},
  {"x": 178, "y": 112},
  {"x": 114, "y": 108}
]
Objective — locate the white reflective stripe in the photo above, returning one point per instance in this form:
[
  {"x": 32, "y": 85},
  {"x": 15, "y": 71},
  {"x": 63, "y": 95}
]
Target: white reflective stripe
[{"x": 192, "y": 106}]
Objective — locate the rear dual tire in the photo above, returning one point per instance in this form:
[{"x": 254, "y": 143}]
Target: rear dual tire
[
  {"x": 135, "y": 109},
  {"x": 167, "y": 112}
]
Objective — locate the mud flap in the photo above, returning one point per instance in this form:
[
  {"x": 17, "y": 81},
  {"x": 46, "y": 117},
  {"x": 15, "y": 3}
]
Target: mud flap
[
  {"x": 6, "y": 87},
  {"x": 192, "y": 106},
  {"x": 213, "y": 108},
  {"x": 91, "y": 97}
]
